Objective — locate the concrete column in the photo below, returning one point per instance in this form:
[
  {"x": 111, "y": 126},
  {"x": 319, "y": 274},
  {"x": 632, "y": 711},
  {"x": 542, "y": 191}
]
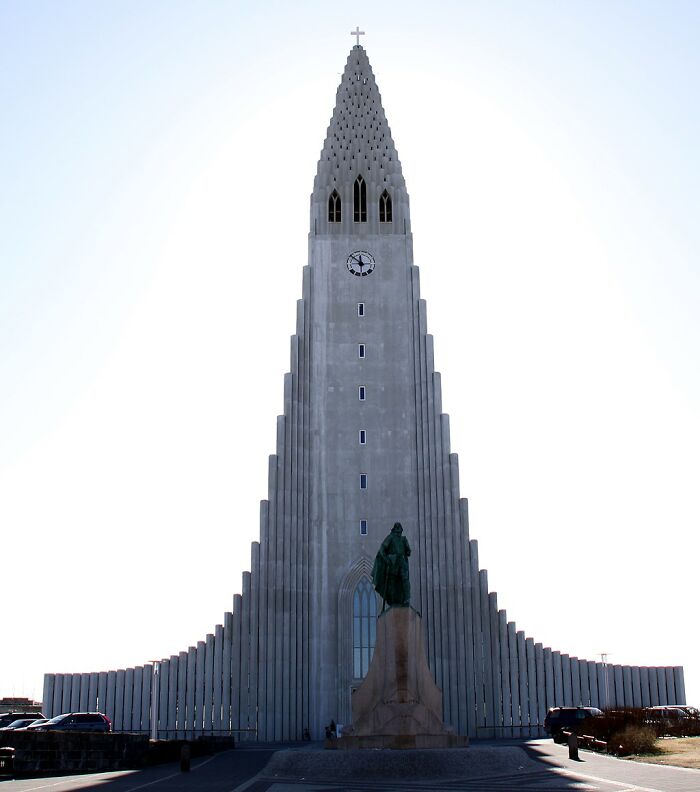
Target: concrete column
[
  {"x": 128, "y": 699},
  {"x": 47, "y": 695},
  {"x": 453, "y": 635},
  {"x": 173, "y": 674},
  {"x": 285, "y": 580},
  {"x": 68, "y": 693},
  {"x": 644, "y": 683},
  {"x": 558, "y": 679},
  {"x": 468, "y": 621},
  {"x": 146, "y": 698},
  {"x": 593, "y": 683},
  {"x": 109, "y": 710},
  {"x": 163, "y": 691},
  {"x": 227, "y": 679},
  {"x": 209, "y": 684},
  {"x": 566, "y": 677},
  {"x": 679, "y": 684},
  {"x": 619, "y": 686},
  {"x": 218, "y": 677},
  {"x": 654, "y": 696},
  {"x": 199, "y": 689},
  {"x": 541, "y": 688},
  {"x": 83, "y": 695},
  {"x": 462, "y": 637},
  {"x": 57, "y": 703},
  {"x": 244, "y": 693},
  {"x": 190, "y": 696},
  {"x": 253, "y": 699},
  {"x": 136, "y": 699},
  {"x": 585, "y": 689},
  {"x": 670, "y": 686},
  {"x": 514, "y": 679},
  {"x": 270, "y": 638},
  {"x": 75, "y": 692},
  {"x": 575, "y": 681},
  {"x": 531, "y": 685},
  {"x": 488, "y": 666},
  {"x": 181, "y": 695},
  {"x": 495, "y": 657},
  {"x": 236, "y": 668},
  {"x": 548, "y": 679},
  {"x": 627, "y": 686},
  {"x": 278, "y": 587},
  {"x": 636, "y": 687},
  {"x": 663, "y": 692},
  {"x": 264, "y": 724},
  {"x": 604, "y": 686},
  {"x": 102, "y": 692},
  {"x": 92, "y": 692},
  {"x": 522, "y": 677},
  {"x": 477, "y": 637},
  {"x": 507, "y": 714}
]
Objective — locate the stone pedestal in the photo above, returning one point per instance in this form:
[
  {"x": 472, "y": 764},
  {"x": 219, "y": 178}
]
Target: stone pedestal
[{"x": 398, "y": 705}]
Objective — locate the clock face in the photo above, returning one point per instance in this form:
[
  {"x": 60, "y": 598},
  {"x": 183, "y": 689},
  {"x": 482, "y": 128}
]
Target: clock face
[{"x": 361, "y": 263}]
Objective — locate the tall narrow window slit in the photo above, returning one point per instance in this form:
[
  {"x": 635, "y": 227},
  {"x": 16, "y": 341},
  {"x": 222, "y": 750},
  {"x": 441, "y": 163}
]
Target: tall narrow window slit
[
  {"x": 334, "y": 207},
  {"x": 385, "y": 207},
  {"x": 359, "y": 194}
]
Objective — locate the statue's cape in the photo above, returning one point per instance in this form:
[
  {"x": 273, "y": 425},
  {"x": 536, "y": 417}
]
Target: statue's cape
[{"x": 380, "y": 575}]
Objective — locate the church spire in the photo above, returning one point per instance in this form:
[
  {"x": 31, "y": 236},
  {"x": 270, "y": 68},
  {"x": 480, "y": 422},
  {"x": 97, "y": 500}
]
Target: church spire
[{"x": 359, "y": 188}]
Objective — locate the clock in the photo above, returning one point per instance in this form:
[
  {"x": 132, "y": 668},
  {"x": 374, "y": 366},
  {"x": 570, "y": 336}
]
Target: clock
[{"x": 361, "y": 263}]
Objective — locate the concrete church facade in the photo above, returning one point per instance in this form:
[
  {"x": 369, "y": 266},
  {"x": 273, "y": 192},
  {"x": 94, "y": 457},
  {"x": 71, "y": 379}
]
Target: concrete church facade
[{"x": 363, "y": 442}]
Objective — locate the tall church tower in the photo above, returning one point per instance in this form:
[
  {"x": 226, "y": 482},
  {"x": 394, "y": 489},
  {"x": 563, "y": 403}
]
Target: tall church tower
[{"x": 363, "y": 443}]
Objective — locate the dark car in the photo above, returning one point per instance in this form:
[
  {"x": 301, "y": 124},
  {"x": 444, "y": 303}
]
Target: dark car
[
  {"x": 572, "y": 719},
  {"x": 75, "y": 721},
  {"x": 20, "y": 723},
  {"x": 6, "y": 718}
]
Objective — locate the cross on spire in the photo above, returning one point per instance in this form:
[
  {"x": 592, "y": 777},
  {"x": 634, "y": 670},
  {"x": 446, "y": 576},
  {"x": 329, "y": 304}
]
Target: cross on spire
[{"x": 357, "y": 32}]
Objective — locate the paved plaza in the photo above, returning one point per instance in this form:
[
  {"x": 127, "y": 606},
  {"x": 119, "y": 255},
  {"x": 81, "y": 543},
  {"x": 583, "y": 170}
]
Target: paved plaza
[{"x": 535, "y": 765}]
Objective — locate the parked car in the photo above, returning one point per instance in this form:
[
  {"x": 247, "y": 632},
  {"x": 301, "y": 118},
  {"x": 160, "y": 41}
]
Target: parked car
[
  {"x": 560, "y": 719},
  {"x": 17, "y": 724},
  {"x": 673, "y": 719},
  {"x": 6, "y": 718},
  {"x": 75, "y": 721}
]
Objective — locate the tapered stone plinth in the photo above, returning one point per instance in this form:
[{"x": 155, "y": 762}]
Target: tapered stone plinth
[{"x": 399, "y": 705}]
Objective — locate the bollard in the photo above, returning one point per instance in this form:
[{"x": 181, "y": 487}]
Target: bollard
[
  {"x": 572, "y": 741},
  {"x": 185, "y": 755},
  {"x": 7, "y": 762}
]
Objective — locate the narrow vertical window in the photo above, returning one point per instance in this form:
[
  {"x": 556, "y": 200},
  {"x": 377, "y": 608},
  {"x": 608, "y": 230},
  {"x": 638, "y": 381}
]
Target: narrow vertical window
[
  {"x": 360, "y": 309},
  {"x": 359, "y": 194},
  {"x": 334, "y": 207},
  {"x": 363, "y": 527},
  {"x": 363, "y": 481},
  {"x": 361, "y": 392},
  {"x": 385, "y": 207},
  {"x": 363, "y": 437},
  {"x": 360, "y": 350},
  {"x": 364, "y": 628}
]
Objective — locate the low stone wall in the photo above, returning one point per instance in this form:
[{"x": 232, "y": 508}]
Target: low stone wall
[{"x": 41, "y": 752}]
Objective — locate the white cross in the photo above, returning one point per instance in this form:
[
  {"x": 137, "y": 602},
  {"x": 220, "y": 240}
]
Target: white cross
[{"x": 357, "y": 32}]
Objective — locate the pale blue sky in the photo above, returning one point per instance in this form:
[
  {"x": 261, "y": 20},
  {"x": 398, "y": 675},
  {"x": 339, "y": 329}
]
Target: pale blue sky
[{"x": 147, "y": 292}]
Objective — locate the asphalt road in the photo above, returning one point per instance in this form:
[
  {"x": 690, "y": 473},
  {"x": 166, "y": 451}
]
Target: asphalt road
[{"x": 549, "y": 769}]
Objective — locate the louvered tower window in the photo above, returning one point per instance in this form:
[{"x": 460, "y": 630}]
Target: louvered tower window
[
  {"x": 385, "y": 207},
  {"x": 360, "y": 200},
  {"x": 334, "y": 207}
]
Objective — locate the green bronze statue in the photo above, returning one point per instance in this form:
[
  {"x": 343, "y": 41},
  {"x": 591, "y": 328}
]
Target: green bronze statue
[{"x": 390, "y": 571}]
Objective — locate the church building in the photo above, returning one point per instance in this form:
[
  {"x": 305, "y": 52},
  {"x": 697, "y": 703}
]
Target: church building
[{"x": 363, "y": 443}]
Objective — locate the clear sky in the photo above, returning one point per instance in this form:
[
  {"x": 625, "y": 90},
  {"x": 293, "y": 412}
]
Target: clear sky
[{"x": 156, "y": 161}]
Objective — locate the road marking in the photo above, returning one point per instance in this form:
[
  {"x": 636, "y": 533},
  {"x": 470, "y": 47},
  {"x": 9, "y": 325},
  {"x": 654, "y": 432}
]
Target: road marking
[{"x": 172, "y": 775}]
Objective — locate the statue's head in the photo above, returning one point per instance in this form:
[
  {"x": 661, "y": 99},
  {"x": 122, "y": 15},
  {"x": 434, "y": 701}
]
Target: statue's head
[{"x": 397, "y": 529}]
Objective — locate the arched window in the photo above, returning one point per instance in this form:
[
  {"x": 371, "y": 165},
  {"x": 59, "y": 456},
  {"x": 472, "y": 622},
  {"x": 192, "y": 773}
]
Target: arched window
[
  {"x": 385, "y": 207},
  {"x": 359, "y": 194},
  {"x": 334, "y": 207},
  {"x": 364, "y": 627}
]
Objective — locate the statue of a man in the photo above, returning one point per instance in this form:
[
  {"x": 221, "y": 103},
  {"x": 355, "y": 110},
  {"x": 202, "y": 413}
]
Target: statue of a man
[{"x": 390, "y": 571}]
